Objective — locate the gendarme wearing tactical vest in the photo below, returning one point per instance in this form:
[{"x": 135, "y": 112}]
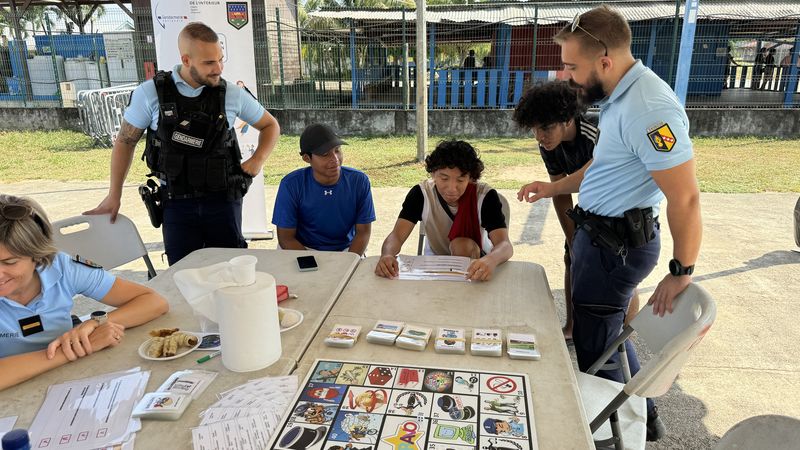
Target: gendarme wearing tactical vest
[{"x": 193, "y": 149}]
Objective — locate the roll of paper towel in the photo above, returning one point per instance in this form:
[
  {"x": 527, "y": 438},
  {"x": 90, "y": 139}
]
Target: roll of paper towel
[{"x": 248, "y": 324}]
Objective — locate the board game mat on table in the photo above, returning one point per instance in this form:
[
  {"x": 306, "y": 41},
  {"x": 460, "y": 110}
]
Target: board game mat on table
[{"x": 346, "y": 405}]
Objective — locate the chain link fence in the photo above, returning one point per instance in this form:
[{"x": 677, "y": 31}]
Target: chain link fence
[{"x": 480, "y": 55}]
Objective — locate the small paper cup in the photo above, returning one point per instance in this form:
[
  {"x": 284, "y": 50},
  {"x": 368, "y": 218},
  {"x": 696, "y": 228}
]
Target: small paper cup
[{"x": 243, "y": 269}]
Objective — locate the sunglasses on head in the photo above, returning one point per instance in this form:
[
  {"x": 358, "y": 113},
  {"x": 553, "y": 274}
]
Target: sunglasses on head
[
  {"x": 16, "y": 212},
  {"x": 13, "y": 211},
  {"x": 576, "y": 24}
]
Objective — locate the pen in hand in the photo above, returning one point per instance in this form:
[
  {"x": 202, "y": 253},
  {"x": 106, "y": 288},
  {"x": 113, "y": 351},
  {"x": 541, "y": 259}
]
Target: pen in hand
[{"x": 209, "y": 356}]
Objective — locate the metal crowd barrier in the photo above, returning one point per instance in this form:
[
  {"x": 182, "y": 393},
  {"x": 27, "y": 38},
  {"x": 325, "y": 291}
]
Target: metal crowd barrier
[{"x": 101, "y": 110}]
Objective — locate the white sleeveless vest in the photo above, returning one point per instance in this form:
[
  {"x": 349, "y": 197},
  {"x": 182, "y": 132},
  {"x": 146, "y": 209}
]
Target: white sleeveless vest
[{"x": 437, "y": 223}]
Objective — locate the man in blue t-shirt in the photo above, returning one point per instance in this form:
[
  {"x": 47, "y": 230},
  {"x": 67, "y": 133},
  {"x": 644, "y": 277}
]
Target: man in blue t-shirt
[{"x": 324, "y": 206}]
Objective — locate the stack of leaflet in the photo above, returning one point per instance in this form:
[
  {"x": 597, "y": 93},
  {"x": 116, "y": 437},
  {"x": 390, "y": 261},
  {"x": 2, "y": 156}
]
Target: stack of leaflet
[
  {"x": 487, "y": 342},
  {"x": 385, "y": 332},
  {"x": 523, "y": 346},
  {"x": 170, "y": 400},
  {"x": 90, "y": 413},
  {"x": 414, "y": 337},
  {"x": 450, "y": 340},
  {"x": 245, "y": 416},
  {"x": 343, "y": 336}
]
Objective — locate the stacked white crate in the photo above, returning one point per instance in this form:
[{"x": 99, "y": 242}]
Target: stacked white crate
[{"x": 46, "y": 71}]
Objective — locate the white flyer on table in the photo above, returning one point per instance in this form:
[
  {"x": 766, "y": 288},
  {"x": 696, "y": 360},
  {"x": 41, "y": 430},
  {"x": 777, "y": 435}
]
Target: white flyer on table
[
  {"x": 89, "y": 413},
  {"x": 433, "y": 267}
]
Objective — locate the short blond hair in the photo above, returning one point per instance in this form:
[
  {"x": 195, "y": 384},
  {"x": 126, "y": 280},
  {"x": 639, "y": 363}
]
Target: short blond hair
[
  {"x": 29, "y": 236},
  {"x": 603, "y": 23}
]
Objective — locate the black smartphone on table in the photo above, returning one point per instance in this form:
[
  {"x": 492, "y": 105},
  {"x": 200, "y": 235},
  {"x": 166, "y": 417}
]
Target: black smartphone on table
[{"x": 306, "y": 263}]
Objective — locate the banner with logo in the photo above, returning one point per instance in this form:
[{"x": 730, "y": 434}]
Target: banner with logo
[{"x": 233, "y": 21}]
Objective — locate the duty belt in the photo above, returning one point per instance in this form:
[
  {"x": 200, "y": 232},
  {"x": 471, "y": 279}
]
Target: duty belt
[{"x": 635, "y": 229}]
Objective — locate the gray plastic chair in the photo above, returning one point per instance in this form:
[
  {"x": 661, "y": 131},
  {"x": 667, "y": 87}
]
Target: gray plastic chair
[
  {"x": 618, "y": 410},
  {"x": 769, "y": 431},
  {"x": 107, "y": 244}
]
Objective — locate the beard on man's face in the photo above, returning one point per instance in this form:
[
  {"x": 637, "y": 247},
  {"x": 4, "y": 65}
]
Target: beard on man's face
[
  {"x": 206, "y": 81},
  {"x": 590, "y": 93}
]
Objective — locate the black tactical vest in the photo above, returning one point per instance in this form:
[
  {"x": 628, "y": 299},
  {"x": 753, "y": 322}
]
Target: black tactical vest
[{"x": 193, "y": 148}]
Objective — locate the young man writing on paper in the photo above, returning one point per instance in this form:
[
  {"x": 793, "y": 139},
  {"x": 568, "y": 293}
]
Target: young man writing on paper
[{"x": 460, "y": 215}]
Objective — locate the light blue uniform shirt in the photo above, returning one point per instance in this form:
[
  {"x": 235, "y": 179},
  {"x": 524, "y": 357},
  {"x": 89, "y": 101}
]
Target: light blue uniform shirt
[
  {"x": 61, "y": 281},
  {"x": 643, "y": 128},
  {"x": 143, "y": 109}
]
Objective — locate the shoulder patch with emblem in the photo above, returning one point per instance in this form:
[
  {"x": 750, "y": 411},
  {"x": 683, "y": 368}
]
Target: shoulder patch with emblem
[
  {"x": 86, "y": 262},
  {"x": 661, "y": 137}
]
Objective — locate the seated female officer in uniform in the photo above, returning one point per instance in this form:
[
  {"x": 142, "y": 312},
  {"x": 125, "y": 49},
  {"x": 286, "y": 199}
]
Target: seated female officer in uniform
[
  {"x": 37, "y": 283},
  {"x": 460, "y": 215}
]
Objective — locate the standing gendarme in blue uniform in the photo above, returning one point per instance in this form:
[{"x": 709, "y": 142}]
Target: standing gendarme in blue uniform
[
  {"x": 192, "y": 148},
  {"x": 644, "y": 129}
]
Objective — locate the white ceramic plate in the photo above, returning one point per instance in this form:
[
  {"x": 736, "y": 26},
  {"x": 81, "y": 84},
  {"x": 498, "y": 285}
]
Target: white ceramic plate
[
  {"x": 293, "y": 316},
  {"x": 183, "y": 350}
]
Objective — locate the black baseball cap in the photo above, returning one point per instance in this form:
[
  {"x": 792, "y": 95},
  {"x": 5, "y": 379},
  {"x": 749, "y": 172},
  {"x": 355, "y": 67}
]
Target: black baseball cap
[{"x": 319, "y": 139}]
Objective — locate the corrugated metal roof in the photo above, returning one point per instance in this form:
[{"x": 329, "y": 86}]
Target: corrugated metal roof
[{"x": 553, "y": 13}]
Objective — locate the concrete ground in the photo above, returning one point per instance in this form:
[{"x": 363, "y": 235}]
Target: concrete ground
[{"x": 744, "y": 367}]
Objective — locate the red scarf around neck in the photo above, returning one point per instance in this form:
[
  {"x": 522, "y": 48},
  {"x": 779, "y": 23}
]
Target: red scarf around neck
[{"x": 466, "y": 223}]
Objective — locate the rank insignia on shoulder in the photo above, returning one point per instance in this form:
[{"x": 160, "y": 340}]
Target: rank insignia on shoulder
[
  {"x": 661, "y": 137},
  {"x": 86, "y": 262}
]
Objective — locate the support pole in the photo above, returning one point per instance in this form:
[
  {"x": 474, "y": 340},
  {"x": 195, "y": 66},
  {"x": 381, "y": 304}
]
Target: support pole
[
  {"x": 353, "y": 67},
  {"x": 687, "y": 47},
  {"x": 280, "y": 56},
  {"x": 791, "y": 87},
  {"x": 535, "y": 42},
  {"x": 406, "y": 80},
  {"x": 422, "y": 91},
  {"x": 670, "y": 79}
]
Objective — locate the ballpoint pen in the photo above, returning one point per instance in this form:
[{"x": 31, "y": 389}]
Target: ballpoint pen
[{"x": 209, "y": 356}]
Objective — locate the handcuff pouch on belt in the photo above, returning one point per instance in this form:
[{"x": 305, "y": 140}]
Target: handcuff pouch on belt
[{"x": 634, "y": 230}]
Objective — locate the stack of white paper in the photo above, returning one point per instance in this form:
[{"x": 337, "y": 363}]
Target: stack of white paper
[
  {"x": 385, "y": 332},
  {"x": 90, "y": 413},
  {"x": 414, "y": 337},
  {"x": 450, "y": 340},
  {"x": 245, "y": 416},
  {"x": 487, "y": 342},
  {"x": 433, "y": 267}
]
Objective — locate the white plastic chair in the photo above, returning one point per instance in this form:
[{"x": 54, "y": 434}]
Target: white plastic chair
[
  {"x": 769, "y": 431},
  {"x": 619, "y": 409},
  {"x": 107, "y": 244},
  {"x": 506, "y": 214}
]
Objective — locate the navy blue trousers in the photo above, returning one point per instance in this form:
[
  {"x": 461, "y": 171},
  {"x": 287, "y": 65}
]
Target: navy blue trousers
[
  {"x": 195, "y": 223},
  {"x": 602, "y": 287}
]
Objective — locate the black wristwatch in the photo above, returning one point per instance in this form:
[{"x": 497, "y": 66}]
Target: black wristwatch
[
  {"x": 677, "y": 269},
  {"x": 99, "y": 316}
]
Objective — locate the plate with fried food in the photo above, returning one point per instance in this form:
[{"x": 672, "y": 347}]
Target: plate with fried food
[{"x": 168, "y": 343}]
